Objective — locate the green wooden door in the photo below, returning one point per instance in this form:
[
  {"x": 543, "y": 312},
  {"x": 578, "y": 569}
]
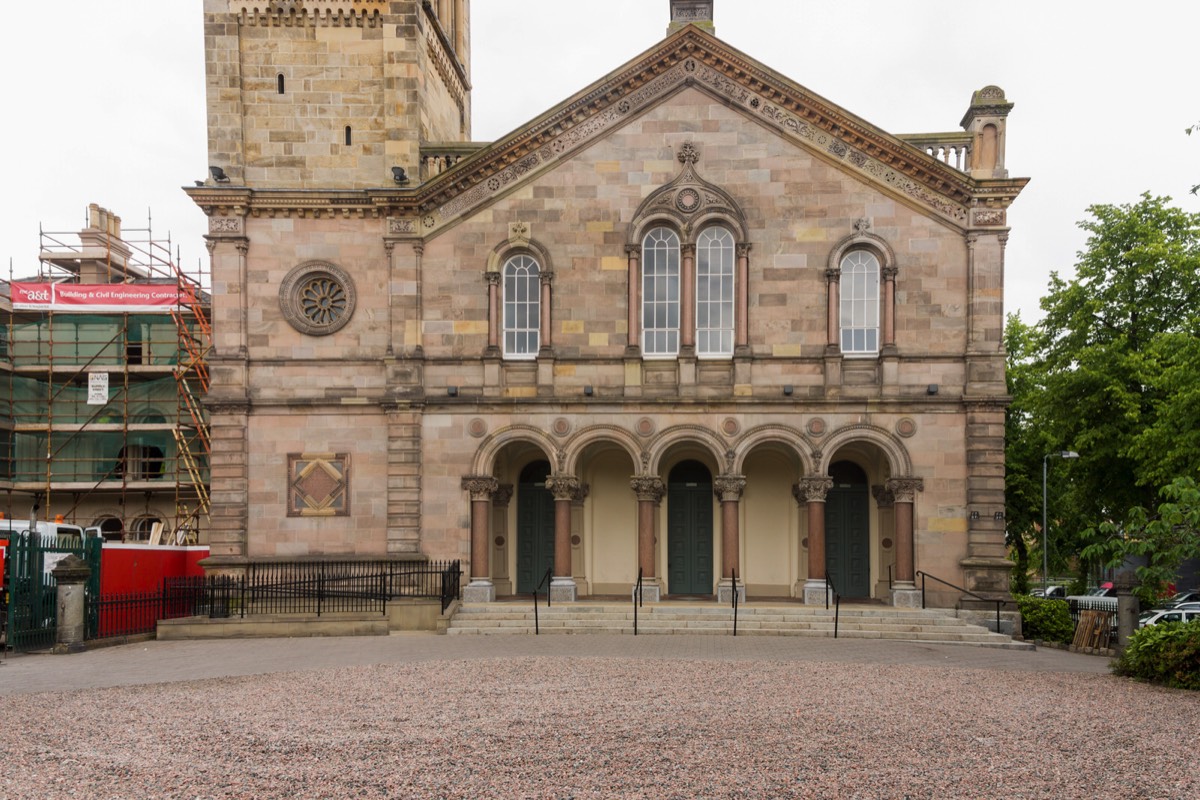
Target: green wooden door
[
  {"x": 847, "y": 531},
  {"x": 535, "y": 526},
  {"x": 690, "y": 529}
]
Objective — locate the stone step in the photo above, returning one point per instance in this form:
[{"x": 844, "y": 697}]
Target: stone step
[{"x": 936, "y": 626}]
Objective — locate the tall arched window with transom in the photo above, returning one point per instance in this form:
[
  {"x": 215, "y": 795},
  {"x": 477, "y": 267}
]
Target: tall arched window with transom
[
  {"x": 522, "y": 307},
  {"x": 860, "y": 303},
  {"x": 660, "y": 293},
  {"x": 715, "y": 266}
]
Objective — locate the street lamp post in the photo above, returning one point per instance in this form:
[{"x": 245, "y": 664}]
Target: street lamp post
[{"x": 1045, "y": 547}]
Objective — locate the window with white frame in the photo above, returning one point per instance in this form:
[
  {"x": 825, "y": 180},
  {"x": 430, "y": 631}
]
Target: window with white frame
[
  {"x": 860, "y": 303},
  {"x": 660, "y": 293},
  {"x": 522, "y": 307},
  {"x": 714, "y": 292}
]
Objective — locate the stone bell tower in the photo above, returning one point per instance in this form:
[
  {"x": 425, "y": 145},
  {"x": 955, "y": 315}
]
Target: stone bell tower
[{"x": 307, "y": 94}]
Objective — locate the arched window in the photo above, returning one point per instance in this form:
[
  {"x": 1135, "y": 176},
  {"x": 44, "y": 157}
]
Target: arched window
[
  {"x": 660, "y": 293},
  {"x": 522, "y": 307},
  {"x": 714, "y": 293},
  {"x": 860, "y": 303}
]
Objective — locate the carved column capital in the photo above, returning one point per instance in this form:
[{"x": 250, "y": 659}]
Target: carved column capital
[
  {"x": 743, "y": 249},
  {"x": 564, "y": 487},
  {"x": 648, "y": 487},
  {"x": 812, "y": 490},
  {"x": 634, "y": 250},
  {"x": 502, "y": 495},
  {"x": 883, "y": 496},
  {"x": 833, "y": 275},
  {"x": 729, "y": 488},
  {"x": 492, "y": 278},
  {"x": 905, "y": 489},
  {"x": 481, "y": 487},
  {"x": 889, "y": 273}
]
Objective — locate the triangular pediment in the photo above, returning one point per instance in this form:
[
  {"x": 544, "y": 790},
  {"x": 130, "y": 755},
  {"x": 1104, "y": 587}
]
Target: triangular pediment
[{"x": 694, "y": 58}]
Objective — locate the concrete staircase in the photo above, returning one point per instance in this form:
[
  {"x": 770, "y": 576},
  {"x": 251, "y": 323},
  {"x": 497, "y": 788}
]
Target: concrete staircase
[{"x": 933, "y": 626}]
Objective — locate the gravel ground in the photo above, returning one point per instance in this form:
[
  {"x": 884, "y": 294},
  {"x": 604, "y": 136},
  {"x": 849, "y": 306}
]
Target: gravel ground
[{"x": 608, "y": 728}]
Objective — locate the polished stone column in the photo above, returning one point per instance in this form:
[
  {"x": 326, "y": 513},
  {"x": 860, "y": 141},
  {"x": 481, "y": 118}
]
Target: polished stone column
[
  {"x": 904, "y": 588},
  {"x": 500, "y": 538},
  {"x": 493, "y": 345},
  {"x": 889, "y": 307},
  {"x": 833, "y": 311},
  {"x": 728, "y": 489},
  {"x": 649, "y": 490},
  {"x": 545, "y": 326},
  {"x": 633, "y": 345},
  {"x": 812, "y": 492},
  {"x": 687, "y": 301},
  {"x": 741, "y": 338},
  {"x": 481, "y": 489},
  {"x": 565, "y": 489}
]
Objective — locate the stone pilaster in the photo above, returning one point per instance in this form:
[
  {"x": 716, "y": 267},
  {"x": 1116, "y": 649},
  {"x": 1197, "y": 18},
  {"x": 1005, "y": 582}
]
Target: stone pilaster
[
  {"x": 228, "y": 480},
  {"x": 403, "y": 481}
]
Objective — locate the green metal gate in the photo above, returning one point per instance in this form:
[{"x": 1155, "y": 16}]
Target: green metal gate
[{"x": 32, "y": 622}]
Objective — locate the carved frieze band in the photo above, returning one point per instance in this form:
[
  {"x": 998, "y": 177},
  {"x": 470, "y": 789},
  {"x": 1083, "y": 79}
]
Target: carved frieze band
[
  {"x": 328, "y": 13},
  {"x": 226, "y": 226},
  {"x": 401, "y": 227},
  {"x": 692, "y": 69}
]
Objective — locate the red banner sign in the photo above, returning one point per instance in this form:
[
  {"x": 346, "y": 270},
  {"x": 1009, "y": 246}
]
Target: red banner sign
[{"x": 141, "y": 298}]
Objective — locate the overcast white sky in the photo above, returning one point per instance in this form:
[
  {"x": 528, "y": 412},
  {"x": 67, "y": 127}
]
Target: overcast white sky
[{"x": 104, "y": 99}]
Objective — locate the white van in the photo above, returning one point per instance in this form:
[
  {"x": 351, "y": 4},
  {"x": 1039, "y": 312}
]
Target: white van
[{"x": 48, "y": 531}]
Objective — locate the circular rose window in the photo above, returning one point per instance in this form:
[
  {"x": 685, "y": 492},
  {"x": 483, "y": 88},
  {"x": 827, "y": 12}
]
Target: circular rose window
[{"x": 317, "y": 298}]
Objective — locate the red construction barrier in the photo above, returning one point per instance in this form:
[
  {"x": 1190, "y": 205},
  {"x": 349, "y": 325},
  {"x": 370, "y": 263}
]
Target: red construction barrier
[{"x": 128, "y": 568}]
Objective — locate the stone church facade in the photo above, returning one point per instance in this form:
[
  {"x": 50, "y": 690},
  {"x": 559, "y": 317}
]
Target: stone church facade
[{"x": 695, "y": 323}]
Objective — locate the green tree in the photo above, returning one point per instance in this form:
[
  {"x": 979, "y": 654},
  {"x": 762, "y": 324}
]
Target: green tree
[
  {"x": 1108, "y": 335},
  {"x": 1112, "y": 372},
  {"x": 1160, "y": 541}
]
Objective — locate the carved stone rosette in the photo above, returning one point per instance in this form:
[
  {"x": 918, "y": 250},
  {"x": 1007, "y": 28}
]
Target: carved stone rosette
[
  {"x": 481, "y": 487},
  {"x": 905, "y": 489},
  {"x": 729, "y": 488},
  {"x": 564, "y": 487},
  {"x": 648, "y": 487},
  {"x": 812, "y": 490}
]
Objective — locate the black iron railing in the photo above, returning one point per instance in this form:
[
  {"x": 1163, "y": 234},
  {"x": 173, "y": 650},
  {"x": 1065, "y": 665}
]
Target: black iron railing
[
  {"x": 545, "y": 579},
  {"x": 733, "y": 579},
  {"x": 637, "y": 600},
  {"x": 831, "y": 589},
  {"x": 280, "y": 588},
  {"x": 967, "y": 592}
]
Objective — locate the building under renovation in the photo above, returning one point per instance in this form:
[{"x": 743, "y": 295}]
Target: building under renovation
[{"x": 102, "y": 370}]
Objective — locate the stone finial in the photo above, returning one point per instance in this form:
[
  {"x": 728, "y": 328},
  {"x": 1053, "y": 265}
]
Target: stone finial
[
  {"x": 987, "y": 119},
  {"x": 691, "y": 12}
]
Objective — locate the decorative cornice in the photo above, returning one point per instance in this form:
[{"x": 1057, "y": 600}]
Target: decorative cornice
[{"x": 689, "y": 57}]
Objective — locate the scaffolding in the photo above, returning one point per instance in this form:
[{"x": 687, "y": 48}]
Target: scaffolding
[{"x": 103, "y": 361}]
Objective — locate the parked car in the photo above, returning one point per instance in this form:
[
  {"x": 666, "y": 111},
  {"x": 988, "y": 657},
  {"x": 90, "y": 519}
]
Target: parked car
[
  {"x": 1052, "y": 592},
  {"x": 1170, "y": 615},
  {"x": 1179, "y": 598}
]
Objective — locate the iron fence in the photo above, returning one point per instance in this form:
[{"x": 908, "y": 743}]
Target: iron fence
[{"x": 280, "y": 588}]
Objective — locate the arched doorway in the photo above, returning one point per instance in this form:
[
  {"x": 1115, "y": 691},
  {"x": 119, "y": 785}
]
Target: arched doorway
[
  {"x": 535, "y": 526},
  {"x": 847, "y": 530},
  {"x": 690, "y": 529}
]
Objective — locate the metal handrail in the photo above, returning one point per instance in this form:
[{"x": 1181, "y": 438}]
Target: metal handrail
[
  {"x": 733, "y": 577},
  {"x": 998, "y": 603},
  {"x": 837, "y": 603},
  {"x": 542, "y": 582},
  {"x": 637, "y": 600}
]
